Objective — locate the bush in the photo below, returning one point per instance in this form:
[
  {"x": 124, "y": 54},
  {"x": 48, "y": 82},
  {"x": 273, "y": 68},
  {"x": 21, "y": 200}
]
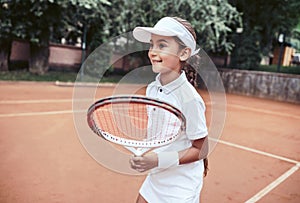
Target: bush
[{"x": 283, "y": 69}]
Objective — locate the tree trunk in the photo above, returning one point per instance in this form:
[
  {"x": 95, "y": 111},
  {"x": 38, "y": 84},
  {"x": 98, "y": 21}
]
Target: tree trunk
[
  {"x": 39, "y": 54},
  {"x": 4, "y": 55},
  {"x": 39, "y": 59}
]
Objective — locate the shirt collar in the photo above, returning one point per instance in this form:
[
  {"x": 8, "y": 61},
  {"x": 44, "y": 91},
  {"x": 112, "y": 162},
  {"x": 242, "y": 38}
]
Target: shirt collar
[{"x": 168, "y": 88}]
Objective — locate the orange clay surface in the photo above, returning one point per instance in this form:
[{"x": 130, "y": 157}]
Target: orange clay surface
[{"x": 42, "y": 159}]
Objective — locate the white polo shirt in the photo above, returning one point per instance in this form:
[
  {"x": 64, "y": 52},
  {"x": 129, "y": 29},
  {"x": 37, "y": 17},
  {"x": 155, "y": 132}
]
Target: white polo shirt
[{"x": 181, "y": 183}]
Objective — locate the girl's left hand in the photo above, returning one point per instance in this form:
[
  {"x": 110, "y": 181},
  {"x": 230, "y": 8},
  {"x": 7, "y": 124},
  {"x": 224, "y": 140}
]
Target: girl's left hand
[{"x": 144, "y": 163}]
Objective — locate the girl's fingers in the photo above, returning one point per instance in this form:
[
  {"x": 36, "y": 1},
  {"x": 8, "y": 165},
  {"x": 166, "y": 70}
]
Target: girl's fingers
[{"x": 137, "y": 159}]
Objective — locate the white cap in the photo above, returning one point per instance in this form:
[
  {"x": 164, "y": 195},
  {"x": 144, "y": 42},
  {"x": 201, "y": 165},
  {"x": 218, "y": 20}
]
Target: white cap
[{"x": 170, "y": 27}]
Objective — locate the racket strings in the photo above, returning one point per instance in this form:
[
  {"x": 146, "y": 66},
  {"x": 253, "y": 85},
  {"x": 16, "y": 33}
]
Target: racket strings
[
  {"x": 137, "y": 121},
  {"x": 122, "y": 120}
]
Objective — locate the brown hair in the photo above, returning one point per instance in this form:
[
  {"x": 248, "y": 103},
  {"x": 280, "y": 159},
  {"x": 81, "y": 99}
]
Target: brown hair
[{"x": 188, "y": 67}]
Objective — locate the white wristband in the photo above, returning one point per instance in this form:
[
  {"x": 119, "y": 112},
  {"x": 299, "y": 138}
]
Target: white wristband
[{"x": 167, "y": 159}]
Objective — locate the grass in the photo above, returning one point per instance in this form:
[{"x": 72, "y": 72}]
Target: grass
[
  {"x": 283, "y": 69},
  {"x": 273, "y": 69},
  {"x": 27, "y": 76},
  {"x": 51, "y": 76}
]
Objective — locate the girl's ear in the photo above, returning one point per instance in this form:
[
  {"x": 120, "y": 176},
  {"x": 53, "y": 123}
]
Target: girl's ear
[{"x": 185, "y": 54}]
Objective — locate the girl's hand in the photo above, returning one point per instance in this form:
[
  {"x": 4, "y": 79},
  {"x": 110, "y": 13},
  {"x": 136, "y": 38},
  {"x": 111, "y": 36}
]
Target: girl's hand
[{"x": 144, "y": 163}]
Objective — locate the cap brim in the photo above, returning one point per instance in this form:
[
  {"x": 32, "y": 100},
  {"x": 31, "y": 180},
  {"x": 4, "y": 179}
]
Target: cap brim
[{"x": 143, "y": 34}]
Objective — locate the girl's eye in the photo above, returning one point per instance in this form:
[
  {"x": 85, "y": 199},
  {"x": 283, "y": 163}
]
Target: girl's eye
[
  {"x": 161, "y": 46},
  {"x": 157, "y": 46}
]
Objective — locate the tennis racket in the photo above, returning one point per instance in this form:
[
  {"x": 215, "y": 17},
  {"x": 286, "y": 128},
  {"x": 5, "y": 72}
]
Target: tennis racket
[{"x": 138, "y": 123}]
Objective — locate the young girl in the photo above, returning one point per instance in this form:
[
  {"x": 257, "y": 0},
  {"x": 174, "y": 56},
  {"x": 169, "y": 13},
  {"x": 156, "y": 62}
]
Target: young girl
[{"x": 178, "y": 168}]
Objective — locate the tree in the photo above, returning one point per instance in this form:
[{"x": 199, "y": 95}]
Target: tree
[
  {"x": 41, "y": 18},
  {"x": 213, "y": 20},
  {"x": 295, "y": 37},
  {"x": 45, "y": 20},
  {"x": 262, "y": 23},
  {"x": 6, "y": 28},
  {"x": 36, "y": 21}
]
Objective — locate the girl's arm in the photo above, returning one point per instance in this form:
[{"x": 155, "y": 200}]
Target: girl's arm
[{"x": 198, "y": 151}]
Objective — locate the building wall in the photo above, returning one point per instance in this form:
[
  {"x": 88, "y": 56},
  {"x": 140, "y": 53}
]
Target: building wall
[
  {"x": 276, "y": 86},
  {"x": 287, "y": 56},
  {"x": 65, "y": 56},
  {"x": 61, "y": 56}
]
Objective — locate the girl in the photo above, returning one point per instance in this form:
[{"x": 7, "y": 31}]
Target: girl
[{"x": 177, "y": 169}]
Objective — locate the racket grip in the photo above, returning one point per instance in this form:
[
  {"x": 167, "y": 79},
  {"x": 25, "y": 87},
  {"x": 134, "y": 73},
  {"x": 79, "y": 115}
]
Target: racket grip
[{"x": 167, "y": 159}]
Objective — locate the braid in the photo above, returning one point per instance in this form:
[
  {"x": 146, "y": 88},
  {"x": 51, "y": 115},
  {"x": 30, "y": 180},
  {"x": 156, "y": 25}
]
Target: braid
[
  {"x": 193, "y": 61},
  {"x": 188, "y": 68}
]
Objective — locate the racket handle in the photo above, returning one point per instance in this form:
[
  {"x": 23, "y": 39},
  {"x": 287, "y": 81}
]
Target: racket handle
[
  {"x": 137, "y": 151},
  {"x": 167, "y": 159}
]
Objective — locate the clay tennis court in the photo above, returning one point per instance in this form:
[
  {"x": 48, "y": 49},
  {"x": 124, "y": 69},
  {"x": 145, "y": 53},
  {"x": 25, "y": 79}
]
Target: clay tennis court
[{"x": 42, "y": 160}]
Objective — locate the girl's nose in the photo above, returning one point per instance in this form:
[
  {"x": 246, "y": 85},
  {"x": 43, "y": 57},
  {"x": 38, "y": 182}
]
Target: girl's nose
[{"x": 152, "y": 52}]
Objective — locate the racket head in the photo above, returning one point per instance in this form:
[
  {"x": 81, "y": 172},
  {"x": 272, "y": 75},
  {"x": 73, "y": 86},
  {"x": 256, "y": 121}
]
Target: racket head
[{"x": 136, "y": 121}]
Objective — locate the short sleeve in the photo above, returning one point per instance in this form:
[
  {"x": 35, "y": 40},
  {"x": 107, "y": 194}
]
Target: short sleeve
[{"x": 194, "y": 111}]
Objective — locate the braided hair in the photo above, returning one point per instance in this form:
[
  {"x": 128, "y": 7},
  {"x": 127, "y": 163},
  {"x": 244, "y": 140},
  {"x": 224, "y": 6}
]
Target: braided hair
[{"x": 188, "y": 67}]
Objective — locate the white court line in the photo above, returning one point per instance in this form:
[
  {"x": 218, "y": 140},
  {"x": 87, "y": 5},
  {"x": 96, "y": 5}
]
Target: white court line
[
  {"x": 40, "y": 113},
  {"x": 34, "y": 101},
  {"x": 276, "y": 182},
  {"x": 273, "y": 185},
  {"x": 256, "y": 151},
  {"x": 264, "y": 111},
  {"x": 41, "y": 101}
]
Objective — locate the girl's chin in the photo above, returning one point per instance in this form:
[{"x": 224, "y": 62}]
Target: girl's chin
[
  {"x": 156, "y": 69},
  {"x": 160, "y": 69}
]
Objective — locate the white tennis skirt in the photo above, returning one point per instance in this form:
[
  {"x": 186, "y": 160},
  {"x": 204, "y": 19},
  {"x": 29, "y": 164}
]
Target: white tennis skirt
[{"x": 180, "y": 184}]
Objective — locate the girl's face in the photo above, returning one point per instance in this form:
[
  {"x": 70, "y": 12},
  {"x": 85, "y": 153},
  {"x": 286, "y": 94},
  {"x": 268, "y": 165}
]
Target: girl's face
[{"x": 164, "y": 54}]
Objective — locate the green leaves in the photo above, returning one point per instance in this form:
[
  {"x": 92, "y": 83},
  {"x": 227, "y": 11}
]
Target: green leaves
[
  {"x": 212, "y": 20},
  {"x": 262, "y": 22},
  {"x": 38, "y": 21},
  {"x": 88, "y": 4}
]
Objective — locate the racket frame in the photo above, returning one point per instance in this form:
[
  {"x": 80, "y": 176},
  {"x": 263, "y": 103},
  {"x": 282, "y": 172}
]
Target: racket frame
[{"x": 135, "y": 146}]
